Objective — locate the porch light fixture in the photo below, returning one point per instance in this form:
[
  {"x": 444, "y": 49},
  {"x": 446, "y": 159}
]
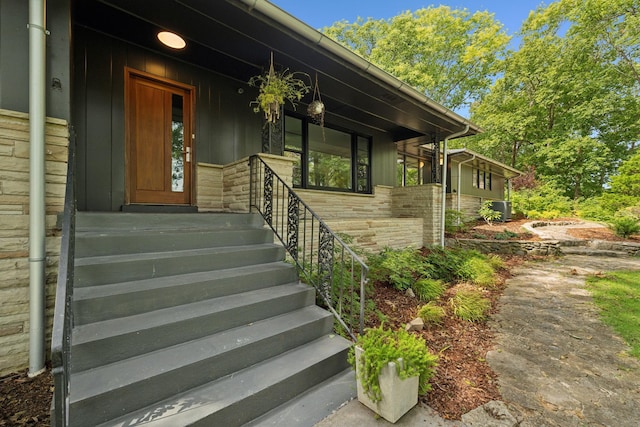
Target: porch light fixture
[{"x": 172, "y": 40}]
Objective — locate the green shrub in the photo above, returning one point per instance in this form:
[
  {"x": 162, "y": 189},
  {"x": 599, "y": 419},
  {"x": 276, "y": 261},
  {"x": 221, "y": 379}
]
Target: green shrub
[
  {"x": 470, "y": 305},
  {"x": 431, "y": 313},
  {"x": 401, "y": 268},
  {"x": 444, "y": 263},
  {"x": 382, "y": 346},
  {"x": 496, "y": 262},
  {"x": 454, "y": 221},
  {"x": 505, "y": 235},
  {"x": 479, "y": 271},
  {"x": 625, "y": 226},
  {"x": 542, "y": 202},
  {"x": 428, "y": 289},
  {"x": 487, "y": 212}
]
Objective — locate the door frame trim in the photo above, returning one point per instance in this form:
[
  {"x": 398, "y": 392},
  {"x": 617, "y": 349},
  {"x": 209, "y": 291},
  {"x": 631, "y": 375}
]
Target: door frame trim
[{"x": 128, "y": 73}]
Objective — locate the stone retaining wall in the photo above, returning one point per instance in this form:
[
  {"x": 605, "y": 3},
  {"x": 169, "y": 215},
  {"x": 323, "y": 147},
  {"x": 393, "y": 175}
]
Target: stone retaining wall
[
  {"x": 508, "y": 247},
  {"x": 632, "y": 249},
  {"x": 14, "y": 230}
]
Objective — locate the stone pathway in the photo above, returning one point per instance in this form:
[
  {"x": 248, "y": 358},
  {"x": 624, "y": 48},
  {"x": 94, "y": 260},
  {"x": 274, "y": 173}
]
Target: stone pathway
[{"x": 557, "y": 363}]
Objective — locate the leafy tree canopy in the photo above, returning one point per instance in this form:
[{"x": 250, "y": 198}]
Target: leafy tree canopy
[{"x": 450, "y": 55}]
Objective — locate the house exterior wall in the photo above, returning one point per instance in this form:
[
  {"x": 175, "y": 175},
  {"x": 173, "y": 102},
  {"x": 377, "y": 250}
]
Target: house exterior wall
[
  {"x": 466, "y": 183},
  {"x": 421, "y": 201},
  {"x": 469, "y": 205},
  {"x": 226, "y": 128},
  {"x": 14, "y": 230}
]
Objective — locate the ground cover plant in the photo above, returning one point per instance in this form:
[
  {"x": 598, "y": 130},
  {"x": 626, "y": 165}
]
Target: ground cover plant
[
  {"x": 463, "y": 380},
  {"x": 618, "y": 296}
]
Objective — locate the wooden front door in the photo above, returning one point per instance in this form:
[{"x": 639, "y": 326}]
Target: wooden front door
[{"x": 159, "y": 140}]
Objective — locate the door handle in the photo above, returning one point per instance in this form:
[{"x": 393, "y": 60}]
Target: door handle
[{"x": 187, "y": 153}]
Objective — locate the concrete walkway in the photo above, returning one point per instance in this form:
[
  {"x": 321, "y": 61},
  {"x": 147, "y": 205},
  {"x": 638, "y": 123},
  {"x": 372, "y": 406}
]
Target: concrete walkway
[{"x": 557, "y": 363}]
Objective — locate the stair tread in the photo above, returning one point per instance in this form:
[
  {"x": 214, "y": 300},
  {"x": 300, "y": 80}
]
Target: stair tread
[
  {"x": 116, "y": 375},
  {"x": 137, "y": 322},
  {"x": 311, "y": 407},
  {"x": 98, "y": 291},
  {"x": 195, "y": 404},
  {"x": 107, "y": 259}
]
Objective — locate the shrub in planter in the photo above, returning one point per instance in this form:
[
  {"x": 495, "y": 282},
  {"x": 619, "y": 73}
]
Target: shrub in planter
[{"x": 401, "y": 358}]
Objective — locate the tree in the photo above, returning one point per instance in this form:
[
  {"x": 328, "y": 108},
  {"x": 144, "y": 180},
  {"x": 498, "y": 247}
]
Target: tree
[
  {"x": 567, "y": 102},
  {"x": 450, "y": 55}
]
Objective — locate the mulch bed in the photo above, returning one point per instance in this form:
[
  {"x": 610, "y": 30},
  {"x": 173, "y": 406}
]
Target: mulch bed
[{"x": 25, "y": 401}]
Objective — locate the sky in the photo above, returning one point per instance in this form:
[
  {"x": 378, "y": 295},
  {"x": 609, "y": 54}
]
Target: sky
[{"x": 318, "y": 14}]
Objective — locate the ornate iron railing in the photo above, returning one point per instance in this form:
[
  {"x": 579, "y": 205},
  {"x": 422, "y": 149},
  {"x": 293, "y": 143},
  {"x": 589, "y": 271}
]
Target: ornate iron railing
[
  {"x": 337, "y": 273},
  {"x": 63, "y": 314}
]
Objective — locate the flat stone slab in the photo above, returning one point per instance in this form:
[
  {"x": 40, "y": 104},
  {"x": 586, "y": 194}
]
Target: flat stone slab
[{"x": 557, "y": 363}]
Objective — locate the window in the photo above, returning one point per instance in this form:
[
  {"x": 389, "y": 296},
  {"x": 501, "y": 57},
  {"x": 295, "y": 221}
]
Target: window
[
  {"x": 327, "y": 158},
  {"x": 412, "y": 170},
  {"x": 481, "y": 179}
]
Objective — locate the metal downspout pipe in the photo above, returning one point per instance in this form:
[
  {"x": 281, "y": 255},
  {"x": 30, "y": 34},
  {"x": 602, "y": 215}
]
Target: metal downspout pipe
[
  {"x": 444, "y": 180},
  {"x": 460, "y": 180},
  {"x": 37, "y": 119}
]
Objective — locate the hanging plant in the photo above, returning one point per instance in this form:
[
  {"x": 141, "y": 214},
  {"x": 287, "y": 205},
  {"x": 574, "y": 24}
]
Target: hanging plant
[
  {"x": 316, "y": 107},
  {"x": 274, "y": 89}
]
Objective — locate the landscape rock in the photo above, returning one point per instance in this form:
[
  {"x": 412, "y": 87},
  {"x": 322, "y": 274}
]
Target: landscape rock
[
  {"x": 491, "y": 414},
  {"x": 416, "y": 324}
]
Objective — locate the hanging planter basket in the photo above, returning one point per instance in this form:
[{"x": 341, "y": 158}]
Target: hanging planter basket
[
  {"x": 316, "y": 109},
  {"x": 275, "y": 88}
]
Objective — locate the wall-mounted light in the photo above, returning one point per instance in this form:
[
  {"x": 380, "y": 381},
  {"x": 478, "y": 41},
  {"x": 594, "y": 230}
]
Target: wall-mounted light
[{"x": 172, "y": 40}]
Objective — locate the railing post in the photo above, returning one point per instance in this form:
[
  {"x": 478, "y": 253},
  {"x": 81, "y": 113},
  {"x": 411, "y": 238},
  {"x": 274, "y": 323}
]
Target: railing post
[
  {"x": 293, "y": 222},
  {"x": 325, "y": 261},
  {"x": 268, "y": 195}
]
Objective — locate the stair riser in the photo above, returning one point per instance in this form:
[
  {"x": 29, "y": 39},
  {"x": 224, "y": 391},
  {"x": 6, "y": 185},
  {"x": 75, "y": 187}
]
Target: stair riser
[
  {"x": 89, "y": 245},
  {"x": 123, "y": 400},
  {"x": 118, "y": 271},
  {"x": 135, "y": 221},
  {"x": 101, "y": 352},
  {"x": 128, "y": 304},
  {"x": 262, "y": 402}
]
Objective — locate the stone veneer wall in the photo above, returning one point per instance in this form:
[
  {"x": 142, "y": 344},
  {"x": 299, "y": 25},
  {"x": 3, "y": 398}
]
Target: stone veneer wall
[
  {"x": 508, "y": 247},
  {"x": 394, "y": 217},
  {"x": 469, "y": 205},
  {"x": 14, "y": 230},
  {"x": 422, "y": 201}
]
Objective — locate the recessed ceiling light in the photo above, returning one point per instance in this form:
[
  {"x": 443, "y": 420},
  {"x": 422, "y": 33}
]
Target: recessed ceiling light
[{"x": 171, "y": 39}]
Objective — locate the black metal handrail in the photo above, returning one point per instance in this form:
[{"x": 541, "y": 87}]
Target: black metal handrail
[
  {"x": 323, "y": 258},
  {"x": 63, "y": 314}
]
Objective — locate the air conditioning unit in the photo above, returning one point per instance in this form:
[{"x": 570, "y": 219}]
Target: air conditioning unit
[{"x": 504, "y": 207}]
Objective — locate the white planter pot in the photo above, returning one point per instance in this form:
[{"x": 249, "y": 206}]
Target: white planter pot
[{"x": 398, "y": 396}]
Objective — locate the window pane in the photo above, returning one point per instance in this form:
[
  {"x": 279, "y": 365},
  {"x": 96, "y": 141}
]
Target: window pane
[
  {"x": 177, "y": 144},
  {"x": 297, "y": 167},
  {"x": 329, "y": 158},
  {"x": 292, "y": 134},
  {"x": 412, "y": 166}
]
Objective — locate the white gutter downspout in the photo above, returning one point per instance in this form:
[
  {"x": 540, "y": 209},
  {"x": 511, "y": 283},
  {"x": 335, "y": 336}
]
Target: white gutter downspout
[
  {"x": 460, "y": 180},
  {"x": 37, "y": 119},
  {"x": 444, "y": 179}
]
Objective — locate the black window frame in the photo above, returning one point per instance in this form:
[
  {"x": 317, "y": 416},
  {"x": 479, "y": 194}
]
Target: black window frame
[{"x": 356, "y": 164}]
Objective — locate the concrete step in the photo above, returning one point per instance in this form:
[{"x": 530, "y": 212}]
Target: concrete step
[
  {"x": 106, "y": 221},
  {"x": 593, "y": 252},
  {"x": 104, "y": 302},
  {"x": 311, "y": 407},
  {"x": 101, "y": 270},
  {"x": 109, "y": 341},
  {"x": 100, "y": 243},
  {"x": 141, "y": 381},
  {"x": 239, "y": 398}
]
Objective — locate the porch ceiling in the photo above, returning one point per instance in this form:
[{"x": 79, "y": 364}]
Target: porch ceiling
[{"x": 236, "y": 40}]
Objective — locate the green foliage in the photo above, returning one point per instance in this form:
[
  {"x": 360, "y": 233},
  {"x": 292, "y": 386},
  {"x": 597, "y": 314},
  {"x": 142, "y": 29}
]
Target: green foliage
[
  {"x": 382, "y": 346},
  {"x": 618, "y": 296},
  {"x": 469, "y": 304},
  {"x": 445, "y": 263},
  {"x": 505, "y": 235},
  {"x": 478, "y": 270},
  {"x": 401, "y": 267},
  {"x": 428, "y": 289},
  {"x": 454, "y": 221},
  {"x": 487, "y": 213},
  {"x": 625, "y": 226},
  {"x": 543, "y": 202},
  {"x": 431, "y": 313},
  {"x": 496, "y": 262},
  {"x": 276, "y": 87},
  {"x": 450, "y": 55}
]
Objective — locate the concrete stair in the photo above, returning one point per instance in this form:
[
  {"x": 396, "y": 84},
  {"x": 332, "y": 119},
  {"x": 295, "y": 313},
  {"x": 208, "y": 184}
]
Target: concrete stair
[
  {"x": 591, "y": 248},
  {"x": 195, "y": 319}
]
